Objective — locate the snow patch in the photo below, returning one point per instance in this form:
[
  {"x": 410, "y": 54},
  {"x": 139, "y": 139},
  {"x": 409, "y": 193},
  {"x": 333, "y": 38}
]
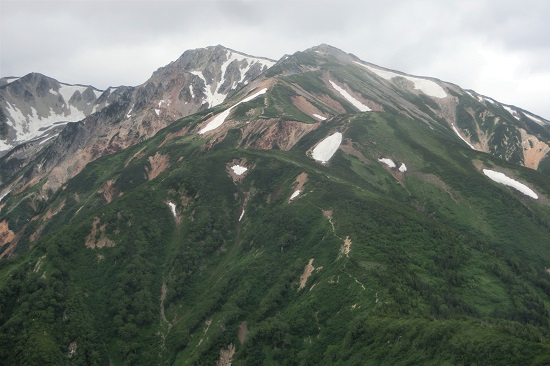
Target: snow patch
[
  {"x": 49, "y": 138},
  {"x": 4, "y": 195},
  {"x": 504, "y": 179},
  {"x": 326, "y": 148},
  {"x": 31, "y": 126},
  {"x": 129, "y": 114},
  {"x": 403, "y": 168},
  {"x": 157, "y": 111},
  {"x": 10, "y": 80},
  {"x": 67, "y": 91},
  {"x": 241, "y": 217},
  {"x": 357, "y": 104},
  {"x": 535, "y": 119},
  {"x": 388, "y": 162},
  {"x": 470, "y": 94},
  {"x": 426, "y": 86},
  {"x": 319, "y": 117},
  {"x": 462, "y": 138},
  {"x": 220, "y": 118},
  {"x": 212, "y": 98},
  {"x": 295, "y": 194},
  {"x": 238, "y": 169},
  {"x": 173, "y": 208},
  {"x": 191, "y": 90},
  {"x": 511, "y": 111}
]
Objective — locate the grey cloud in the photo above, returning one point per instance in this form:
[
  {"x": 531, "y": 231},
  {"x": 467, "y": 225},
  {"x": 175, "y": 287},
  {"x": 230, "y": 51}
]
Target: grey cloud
[{"x": 123, "y": 42}]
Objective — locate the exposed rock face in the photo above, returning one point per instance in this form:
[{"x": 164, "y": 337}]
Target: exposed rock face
[
  {"x": 33, "y": 105},
  {"x": 204, "y": 78},
  {"x": 199, "y": 79}
]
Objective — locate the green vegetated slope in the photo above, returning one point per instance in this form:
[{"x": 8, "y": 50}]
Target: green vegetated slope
[{"x": 367, "y": 265}]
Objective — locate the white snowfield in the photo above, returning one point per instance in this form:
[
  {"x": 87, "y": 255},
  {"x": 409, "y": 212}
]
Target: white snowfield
[
  {"x": 295, "y": 194},
  {"x": 535, "y": 119},
  {"x": 67, "y": 91},
  {"x": 319, "y": 117},
  {"x": 4, "y": 195},
  {"x": 426, "y": 86},
  {"x": 403, "y": 168},
  {"x": 326, "y": 148},
  {"x": 213, "y": 98},
  {"x": 462, "y": 138},
  {"x": 238, "y": 169},
  {"x": 31, "y": 126},
  {"x": 11, "y": 80},
  {"x": 250, "y": 61},
  {"x": 357, "y": 104},
  {"x": 47, "y": 139},
  {"x": 220, "y": 118},
  {"x": 507, "y": 181},
  {"x": 172, "y": 208},
  {"x": 388, "y": 162},
  {"x": 511, "y": 111},
  {"x": 241, "y": 217}
]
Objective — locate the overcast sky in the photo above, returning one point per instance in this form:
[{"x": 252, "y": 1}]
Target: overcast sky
[{"x": 499, "y": 48}]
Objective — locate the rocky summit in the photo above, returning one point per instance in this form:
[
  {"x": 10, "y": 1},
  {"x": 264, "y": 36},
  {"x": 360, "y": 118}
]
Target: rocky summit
[{"x": 315, "y": 210}]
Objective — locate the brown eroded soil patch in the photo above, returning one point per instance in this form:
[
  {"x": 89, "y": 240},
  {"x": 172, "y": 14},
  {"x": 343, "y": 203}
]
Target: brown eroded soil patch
[
  {"x": 226, "y": 355},
  {"x": 534, "y": 150},
  {"x": 9, "y": 251},
  {"x": 298, "y": 184},
  {"x": 47, "y": 216},
  {"x": 328, "y": 215},
  {"x": 97, "y": 238},
  {"x": 281, "y": 134},
  {"x": 301, "y": 179},
  {"x": 346, "y": 246},
  {"x": 173, "y": 135},
  {"x": 108, "y": 190},
  {"x": 478, "y": 164},
  {"x": 305, "y": 106},
  {"x": 6, "y": 235},
  {"x": 307, "y": 272},
  {"x": 348, "y": 148},
  {"x": 436, "y": 181},
  {"x": 66, "y": 170},
  {"x": 158, "y": 163},
  {"x": 137, "y": 155},
  {"x": 243, "y": 331},
  {"x": 331, "y": 103},
  {"x": 51, "y": 213}
]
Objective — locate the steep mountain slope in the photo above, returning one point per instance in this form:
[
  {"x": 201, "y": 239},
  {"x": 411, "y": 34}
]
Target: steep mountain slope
[
  {"x": 321, "y": 214},
  {"x": 199, "y": 79},
  {"x": 324, "y": 82},
  {"x": 31, "y": 106}
]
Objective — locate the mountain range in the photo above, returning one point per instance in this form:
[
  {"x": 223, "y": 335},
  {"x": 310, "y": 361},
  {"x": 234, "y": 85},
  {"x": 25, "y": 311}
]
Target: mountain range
[{"x": 232, "y": 209}]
